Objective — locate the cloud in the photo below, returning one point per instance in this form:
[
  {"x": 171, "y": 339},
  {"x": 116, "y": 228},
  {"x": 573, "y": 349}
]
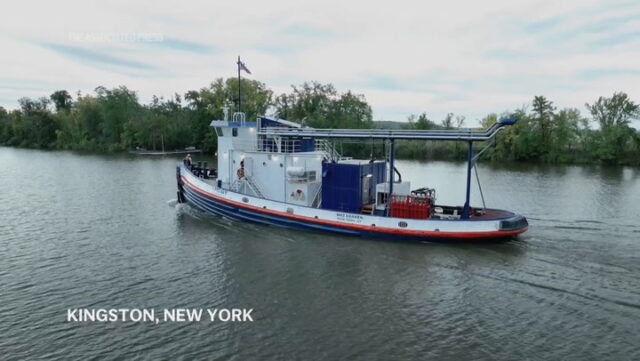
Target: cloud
[
  {"x": 184, "y": 45},
  {"x": 631, "y": 38},
  {"x": 302, "y": 30},
  {"x": 547, "y": 24},
  {"x": 94, "y": 57},
  {"x": 405, "y": 56},
  {"x": 599, "y": 73}
]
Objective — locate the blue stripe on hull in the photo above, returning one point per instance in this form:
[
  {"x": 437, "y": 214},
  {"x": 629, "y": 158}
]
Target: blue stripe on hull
[{"x": 211, "y": 206}]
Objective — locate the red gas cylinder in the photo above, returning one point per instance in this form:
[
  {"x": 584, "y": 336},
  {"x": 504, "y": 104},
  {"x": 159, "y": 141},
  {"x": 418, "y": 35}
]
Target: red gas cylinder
[{"x": 415, "y": 207}]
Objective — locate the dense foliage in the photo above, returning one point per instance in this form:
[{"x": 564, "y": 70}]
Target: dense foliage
[{"x": 115, "y": 120}]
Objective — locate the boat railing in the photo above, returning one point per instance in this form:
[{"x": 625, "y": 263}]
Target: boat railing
[
  {"x": 244, "y": 144},
  {"x": 235, "y": 186},
  {"x": 287, "y": 145},
  {"x": 329, "y": 151},
  {"x": 469, "y": 134},
  {"x": 304, "y": 177},
  {"x": 270, "y": 145},
  {"x": 239, "y": 117}
]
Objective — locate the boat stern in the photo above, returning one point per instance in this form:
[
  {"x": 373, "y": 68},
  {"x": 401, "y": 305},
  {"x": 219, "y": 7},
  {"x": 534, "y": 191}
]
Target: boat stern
[{"x": 517, "y": 223}]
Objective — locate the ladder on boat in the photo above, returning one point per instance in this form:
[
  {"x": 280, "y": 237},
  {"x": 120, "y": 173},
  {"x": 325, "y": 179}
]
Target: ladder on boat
[
  {"x": 368, "y": 208},
  {"x": 330, "y": 153},
  {"x": 254, "y": 187}
]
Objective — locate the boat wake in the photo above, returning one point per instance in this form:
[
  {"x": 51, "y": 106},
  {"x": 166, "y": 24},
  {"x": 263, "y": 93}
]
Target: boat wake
[{"x": 172, "y": 202}]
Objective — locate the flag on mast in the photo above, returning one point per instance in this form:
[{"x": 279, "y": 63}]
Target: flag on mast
[{"x": 241, "y": 66}]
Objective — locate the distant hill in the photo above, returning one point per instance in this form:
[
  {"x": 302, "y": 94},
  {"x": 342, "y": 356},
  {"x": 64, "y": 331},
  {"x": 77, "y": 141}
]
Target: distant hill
[{"x": 388, "y": 124}]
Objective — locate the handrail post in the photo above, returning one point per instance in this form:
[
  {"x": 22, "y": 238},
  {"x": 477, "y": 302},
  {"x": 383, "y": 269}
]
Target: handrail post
[{"x": 465, "y": 209}]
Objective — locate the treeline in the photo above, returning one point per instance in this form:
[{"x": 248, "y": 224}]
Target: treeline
[
  {"x": 115, "y": 120},
  {"x": 545, "y": 134}
]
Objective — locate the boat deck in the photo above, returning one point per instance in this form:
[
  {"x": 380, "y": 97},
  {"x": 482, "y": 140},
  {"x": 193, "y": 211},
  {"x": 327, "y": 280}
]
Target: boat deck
[
  {"x": 491, "y": 214},
  {"x": 453, "y": 213}
]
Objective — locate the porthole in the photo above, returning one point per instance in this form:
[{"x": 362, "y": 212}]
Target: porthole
[{"x": 402, "y": 224}]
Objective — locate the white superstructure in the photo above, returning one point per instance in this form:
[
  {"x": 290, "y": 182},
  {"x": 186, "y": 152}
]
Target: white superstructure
[{"x": 270, "y": 167}]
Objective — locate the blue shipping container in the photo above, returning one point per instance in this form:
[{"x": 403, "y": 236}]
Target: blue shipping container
[{"x": 342, "y": 185}]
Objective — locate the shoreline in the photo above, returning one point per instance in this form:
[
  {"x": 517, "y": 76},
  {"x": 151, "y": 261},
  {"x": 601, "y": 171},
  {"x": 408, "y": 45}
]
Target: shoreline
[{"x": 486, "y": 161}]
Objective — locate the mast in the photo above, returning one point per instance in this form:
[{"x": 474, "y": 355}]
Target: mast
[{"x": 239, "y": 94}]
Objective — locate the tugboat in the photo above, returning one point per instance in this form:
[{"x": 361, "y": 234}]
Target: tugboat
[{"x": 277, "y": 172}]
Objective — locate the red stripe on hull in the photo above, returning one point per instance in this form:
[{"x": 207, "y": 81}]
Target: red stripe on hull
[{"x": 359, "y": 227}]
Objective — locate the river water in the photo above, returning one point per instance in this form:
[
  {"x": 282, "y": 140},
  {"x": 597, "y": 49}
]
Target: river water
[{"x": 90, "y": 231}]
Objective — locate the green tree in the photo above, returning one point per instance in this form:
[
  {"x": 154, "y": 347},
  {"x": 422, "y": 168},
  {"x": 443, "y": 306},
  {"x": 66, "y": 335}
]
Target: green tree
[
  {"x": 309, "y": 103},
  {"x": 4, "y": 126},
  {"x": 421, "y": 122},
  {"x": 460, "y": 119},
  {"x": 319, "y": 105},
  {"x": 563, "y": 142},
  {"x": 447, "y": 122},
  {"x": 91, "y": 118},
  {"x": 256, "y": 97},
  {"x": 61, "y": 100},
  {"x": 350, "y": 111},
  {"x": 542, "y": 123},
  {"x": 282, "y": 104},
  {"x": 614, "y": 116},
  {"x": 119, "y": 106},
  {"x": 37, "y": 122}
]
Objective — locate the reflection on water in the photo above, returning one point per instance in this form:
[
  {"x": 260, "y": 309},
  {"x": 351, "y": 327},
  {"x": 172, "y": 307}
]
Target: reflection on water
[{"x": 101, "y": 231}]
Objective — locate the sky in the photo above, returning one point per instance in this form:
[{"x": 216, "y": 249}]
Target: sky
[{"x": 469, "y": 58}]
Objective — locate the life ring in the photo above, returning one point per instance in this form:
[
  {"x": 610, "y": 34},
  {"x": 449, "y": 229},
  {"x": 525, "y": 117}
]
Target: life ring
[
  {"x": 298, "y": 195},
  {"x": 240, "y": 173}
]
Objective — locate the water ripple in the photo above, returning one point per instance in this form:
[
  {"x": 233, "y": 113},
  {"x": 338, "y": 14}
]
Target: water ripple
[{"x": 105, "y": 232}]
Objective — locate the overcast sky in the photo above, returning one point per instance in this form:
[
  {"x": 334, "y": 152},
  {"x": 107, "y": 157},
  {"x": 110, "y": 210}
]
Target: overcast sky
[{"x": 469, "y": 58}]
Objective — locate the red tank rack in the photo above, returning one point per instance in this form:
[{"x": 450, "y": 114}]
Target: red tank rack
[{"x": 411, "y": 206}]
